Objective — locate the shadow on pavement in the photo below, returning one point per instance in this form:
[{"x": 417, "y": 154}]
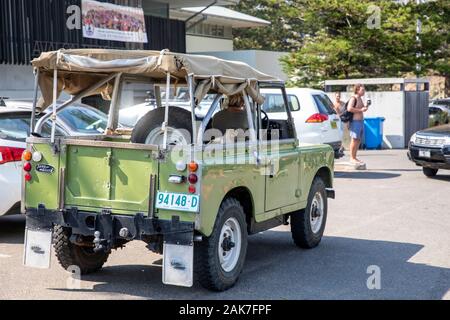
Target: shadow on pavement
[
  {"x": 403, "y": 170},
  {"x": 276, "y": 269},
  {"x": 442, "y": 177},
  {"x": 378, "y": 153},
  {"x": 369, "y": 175},
  {"x": 12, "y": 229}
]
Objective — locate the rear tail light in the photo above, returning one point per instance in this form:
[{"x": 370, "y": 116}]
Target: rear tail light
[
  {"x": 193, "y": 166},
  {"x": 193, "y": 178},
  {"x": 27, "y": 176},
  {"x": 10, "y": 154},
  {"x": 27, "y": 166},
  {"x": 37, "y": 156},
  {"x": 27, "y": 155},
  {"x": 317, "y": 118},
  {"x": 180, "y": 165},
  {"x": 192, "y": 189}
]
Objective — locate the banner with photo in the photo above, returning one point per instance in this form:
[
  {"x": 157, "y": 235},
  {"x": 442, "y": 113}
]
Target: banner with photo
[{"x": 107, "y": 21}]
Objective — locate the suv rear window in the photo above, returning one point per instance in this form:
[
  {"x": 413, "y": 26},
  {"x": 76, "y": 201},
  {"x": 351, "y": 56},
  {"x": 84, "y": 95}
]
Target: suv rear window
[
  {"x": 324, "y": 104},
  {"x": 433, "y": 110},
  {"x": 442, "y": 102}
]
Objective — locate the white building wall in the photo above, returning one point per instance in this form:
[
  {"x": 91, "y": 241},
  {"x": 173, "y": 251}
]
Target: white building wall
[
  {"x": 196, "y": 44},
  {"x": 389, "y": 105}
]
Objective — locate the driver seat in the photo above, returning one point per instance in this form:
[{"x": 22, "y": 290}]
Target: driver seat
[
  {"x": 229, "y": 120},
  {"x": 226, "y": 120}
]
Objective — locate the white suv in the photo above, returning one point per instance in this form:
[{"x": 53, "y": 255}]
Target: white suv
[{"x": 315, "y": 120}]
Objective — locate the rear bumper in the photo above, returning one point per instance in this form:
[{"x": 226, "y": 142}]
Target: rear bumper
[
  {"x": 15, "y": 209},
  {"x": 111, "y": 227},
  {"x": 10, "y": 187},
  {"x": 440, "y": 157}
]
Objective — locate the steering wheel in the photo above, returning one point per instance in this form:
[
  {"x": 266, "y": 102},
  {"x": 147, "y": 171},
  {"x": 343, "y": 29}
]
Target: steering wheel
[{"x": 265, "y": 120}]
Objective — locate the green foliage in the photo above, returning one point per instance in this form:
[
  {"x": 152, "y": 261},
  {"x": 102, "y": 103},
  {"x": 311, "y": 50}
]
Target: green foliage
[
  {"x": 332, "y": 39},
  {"x": 281, "y": 35}
]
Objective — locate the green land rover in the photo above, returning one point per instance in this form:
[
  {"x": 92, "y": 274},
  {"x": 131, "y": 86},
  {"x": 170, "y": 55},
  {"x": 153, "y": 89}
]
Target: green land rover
[{"x": 192, "y": 188}]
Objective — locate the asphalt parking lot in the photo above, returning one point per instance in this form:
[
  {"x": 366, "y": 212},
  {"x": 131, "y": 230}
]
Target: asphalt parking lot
[{"x": 390, "y": 216}]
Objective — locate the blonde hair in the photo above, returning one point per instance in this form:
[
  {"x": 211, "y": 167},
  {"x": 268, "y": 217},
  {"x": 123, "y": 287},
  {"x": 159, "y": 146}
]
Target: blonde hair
[
  {"x": 357, "y": 88},
  {"x": 235, "y": 100}
]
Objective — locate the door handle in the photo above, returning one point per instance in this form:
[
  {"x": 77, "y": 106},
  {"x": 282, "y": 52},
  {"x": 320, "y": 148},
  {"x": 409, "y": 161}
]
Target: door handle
[{"x": 271, "y": 169}]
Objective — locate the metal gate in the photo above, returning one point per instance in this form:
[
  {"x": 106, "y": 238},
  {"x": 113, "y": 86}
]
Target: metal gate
[{"x": 416, "y": 112}]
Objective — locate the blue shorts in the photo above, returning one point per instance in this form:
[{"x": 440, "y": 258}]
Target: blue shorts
[{"x": 356, "y": 129}]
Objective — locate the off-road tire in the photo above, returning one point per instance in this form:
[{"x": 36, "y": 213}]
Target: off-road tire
[
  {"x": 208, "y": 269},
  {"x": 430, "y": 172},
  {"x": 69, "y": 254},
  {"x": 178, "y": 118},
  {"x": 302, "y": 233}
]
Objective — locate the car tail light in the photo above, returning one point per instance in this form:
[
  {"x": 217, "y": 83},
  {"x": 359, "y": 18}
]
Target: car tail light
[
  {"x": 180, "y": 165},
  {"x": 193, "y": 166},
  {"x": 27, "y": 155},
  {"x": 317, "y": 118},
  {"x": 27, "y": 166},
  {"x": 10, "y": 154},
  {"x": 37, "y": 156},
  {"x": 192, "y": 178},
  {"x": 27, "y": 176}
]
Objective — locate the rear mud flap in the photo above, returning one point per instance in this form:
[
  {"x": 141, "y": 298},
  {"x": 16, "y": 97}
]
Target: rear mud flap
[
  {"x": 37, "y": 249},
  {"x": 178, "y": 265},
  {"x": 178, "y": 258}
]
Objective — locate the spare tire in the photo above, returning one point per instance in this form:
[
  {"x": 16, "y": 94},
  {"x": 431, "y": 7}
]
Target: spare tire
[{"x": 148, "y": 130}]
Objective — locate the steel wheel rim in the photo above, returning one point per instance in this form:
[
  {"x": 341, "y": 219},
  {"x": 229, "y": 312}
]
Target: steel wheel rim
[
  {"x": 229, "y": 258},
  {"x": 316, "y": 212},
  {"x": 174, "y": 137}
]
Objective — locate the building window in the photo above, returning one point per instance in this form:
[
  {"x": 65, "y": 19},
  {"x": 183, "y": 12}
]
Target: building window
[
  {"x": 211, "y": 30},
  {"x": 155, "y": 9}
]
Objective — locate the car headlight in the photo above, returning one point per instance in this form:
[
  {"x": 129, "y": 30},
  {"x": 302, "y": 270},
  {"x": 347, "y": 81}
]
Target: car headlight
[{"x": 413, "y": 138}]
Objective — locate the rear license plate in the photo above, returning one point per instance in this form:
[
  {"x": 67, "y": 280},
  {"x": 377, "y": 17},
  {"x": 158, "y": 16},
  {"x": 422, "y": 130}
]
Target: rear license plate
[
  {"x": 177, "y": 201},
  {"x": 425, "y": 153},
  {"x": 38, "y": 245},
  {"x": 334, "y": 125}
]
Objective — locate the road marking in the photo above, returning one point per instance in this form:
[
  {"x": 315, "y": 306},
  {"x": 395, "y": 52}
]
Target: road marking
[{"x": 4, "y": 256}]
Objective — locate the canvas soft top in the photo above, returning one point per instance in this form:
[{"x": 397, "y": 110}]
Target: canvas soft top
[{"x": 80, "y": 68}]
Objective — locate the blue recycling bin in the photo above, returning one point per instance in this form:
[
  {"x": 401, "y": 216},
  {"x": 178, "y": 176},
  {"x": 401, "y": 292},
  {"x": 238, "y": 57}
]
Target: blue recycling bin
[{"x": 373, "y": 132}]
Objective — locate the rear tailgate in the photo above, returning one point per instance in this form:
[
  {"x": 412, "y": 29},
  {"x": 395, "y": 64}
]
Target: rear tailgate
[
  {"x": 331, "y": 129},
  {"x": 108, "y": 175}
]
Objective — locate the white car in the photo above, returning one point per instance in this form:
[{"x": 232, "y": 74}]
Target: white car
[
  {"x": 15, "y": 119},
  {"x": 434, "y": 108},
  {"x": 315, "y": 120}
]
